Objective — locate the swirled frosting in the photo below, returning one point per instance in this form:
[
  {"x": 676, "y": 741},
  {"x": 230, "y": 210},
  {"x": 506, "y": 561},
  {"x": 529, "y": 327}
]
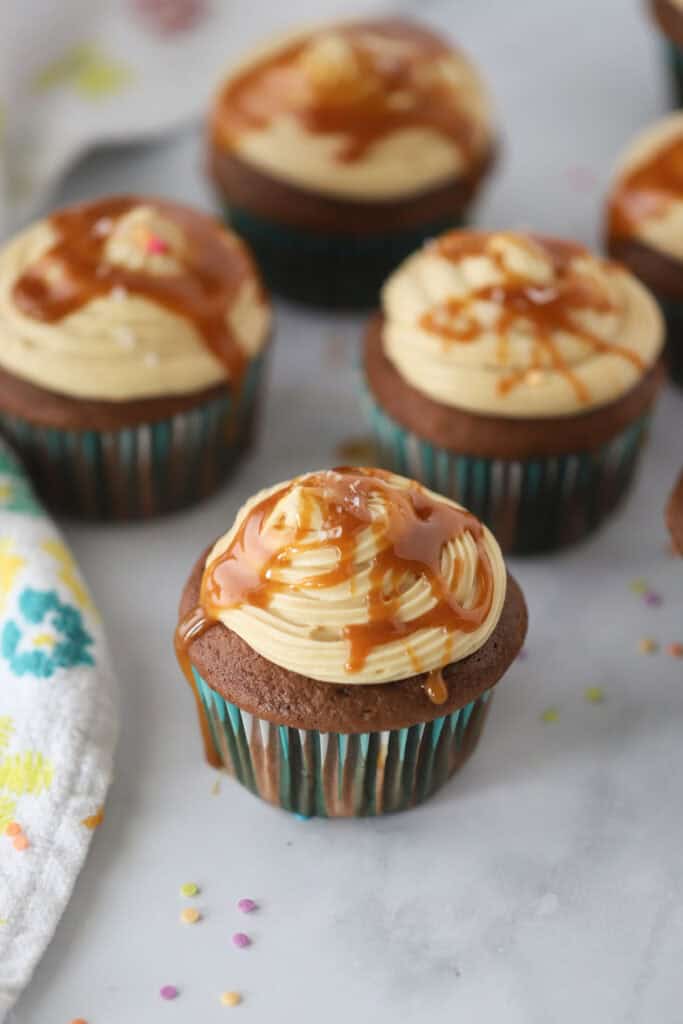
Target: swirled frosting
[
  {"x": 354, "y": 576},
  {"x": 125, "y": 298},
  {"x": 646, "y": 198},
  {"x": 368, "y": 109},
  {"x": 514, "y": 325}
]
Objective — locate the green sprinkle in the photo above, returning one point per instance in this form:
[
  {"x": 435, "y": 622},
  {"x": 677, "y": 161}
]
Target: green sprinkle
[
  {"x": 189, "y": 889},
  {"x": 638, "y": 586},
  {"x": 550, "y": 715},
  {"x": 594, "y": 695}
]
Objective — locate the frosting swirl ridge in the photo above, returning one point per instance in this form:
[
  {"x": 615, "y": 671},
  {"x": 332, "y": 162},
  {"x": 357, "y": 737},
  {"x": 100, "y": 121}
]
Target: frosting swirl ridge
[
  {"x": 356, "y": 576},
  {"x": 516, "y": 325}
]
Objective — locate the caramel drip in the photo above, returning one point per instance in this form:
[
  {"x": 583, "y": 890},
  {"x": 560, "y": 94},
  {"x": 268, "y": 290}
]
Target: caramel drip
[
  {"x": 413, "y": 536},
  {"x": 189, "y": 629},
  {"x": 213, "y": 272},
  {"x": 392, "y": 91},
  {"x": 435, "y": 687},
  {"x": 548, "y": 308},
  {"x": 648, "y": 190}
]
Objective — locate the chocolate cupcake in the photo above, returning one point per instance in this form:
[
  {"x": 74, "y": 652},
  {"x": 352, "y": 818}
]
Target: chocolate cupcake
[
  {"x": 343, "y": 640},
  {"x": 669, "y": 16},
  {"x": 674, "y": 516},
  {"x": 645, "y": 223},
  {"x": 337, "y": 151},
  {"x": 131, "y": 358},
  {"x": 516, "y": 375}
]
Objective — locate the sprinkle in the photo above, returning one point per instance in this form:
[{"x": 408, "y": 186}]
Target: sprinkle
[
  {"x": 302, "y": 817},
  {"x": 118, "y": 293},
  {"x": 638, "y": 586},
  {"x": 190, "y": 915},
  {"x": 169, "y": 992},
  {"x": 652, "y": 599},
  {"x": 246, "y": 905},
  {"x": 241, "y": 940},
  {"x": 594, "y": 695},
  {"x": 550, "y": 715},
  {"x": 13, "y": 829},
  {"x": 79, "y": 1020},
  {"x": 94, "y": 821},
  {"x": 647, "y": 645},
  {"x": 21, "y": 843},
  {"x": 155, "y": 244},
  {"x": 230, "y": 999},
  {"x": 675, "y": 650},
  {"x": 189, "y": 889},
  {"x": 216, "y": 788}
]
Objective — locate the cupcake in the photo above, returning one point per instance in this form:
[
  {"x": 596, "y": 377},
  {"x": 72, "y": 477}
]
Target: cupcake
[
  {"x": 343, "y": 639},
  {"x": 645, "y": 222},
  {"x": 131, "y": 358},
  {"x": 338, "y": 150},
  {"x": 669, "y": 16},
  {"x": 674, "y": 516},
  {"x": 516, "y": 375}
]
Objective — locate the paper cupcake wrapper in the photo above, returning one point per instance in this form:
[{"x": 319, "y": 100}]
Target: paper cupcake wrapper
[
  {"x": 324, "y": 270},
  {"x": 673, "y": 314},
  {"x": 334, "y": 774},
  {"x": 675, "y": 56},
  {"x": 139, "y": 471},
  {"x": 530, "y": 505}
]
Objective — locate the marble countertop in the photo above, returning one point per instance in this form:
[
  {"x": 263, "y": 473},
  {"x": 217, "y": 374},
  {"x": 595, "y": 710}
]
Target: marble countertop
[{"x": 545, "y": 883}]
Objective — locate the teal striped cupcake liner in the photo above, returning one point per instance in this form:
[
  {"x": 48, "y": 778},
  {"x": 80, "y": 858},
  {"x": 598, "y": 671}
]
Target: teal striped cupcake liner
[
  {"x": 140, "y": 471},
  {"x": 673, "y": 314},
  {"x": 531, "y": 505},
  {"x": 675, "y": 59},
  {"x": 331, "y": 271},
  {"x": 336, "y": 775}
]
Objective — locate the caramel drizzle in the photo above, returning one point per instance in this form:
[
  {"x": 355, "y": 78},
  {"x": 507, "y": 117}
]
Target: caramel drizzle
[
  {"x": 395, "y": 92},
  {"x": 413, "y": 537},
  {"x": 648, "y": 190},
  {"x": 435, "y": 687},
  {"x": 213, "y": 272},
  {"x": 547, "y": 308}
]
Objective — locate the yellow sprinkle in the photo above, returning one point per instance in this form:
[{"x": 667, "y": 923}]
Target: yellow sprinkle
[
  {"x": 594, "y": 694},
  {"x": 216, "y": 788},
  {"x": 190, "y": 916},
  {"x": 231, "y": 999},
  {"x": 647, "y": 645},
  {"x": 550, "y": 715},
  {"x": 189, "y": 889},
  {"x": 638, "y": 586}
]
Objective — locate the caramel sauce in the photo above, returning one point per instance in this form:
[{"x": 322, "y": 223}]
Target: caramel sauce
[
  {"x": 414, "y": 534},
  {"x": 435, "y": 687},
  {"x": 213, "y": 272},
  {"x": 388, "y": 90},
  {"x": 648, "y": 190},
  {"x": 547, "y": 308}
]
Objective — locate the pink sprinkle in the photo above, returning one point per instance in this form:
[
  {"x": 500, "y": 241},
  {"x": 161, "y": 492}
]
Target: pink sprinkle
[
  {"x": 169, "y": 992},
  {"x": 241, "y": 940},
  {"x": 246, "y": 905},
  {"x": 653, "y": 599},
  {"x": 156, "y": 244}
]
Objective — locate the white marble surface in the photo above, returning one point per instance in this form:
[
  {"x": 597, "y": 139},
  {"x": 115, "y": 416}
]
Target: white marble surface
[{"x": 545, "y": 883}]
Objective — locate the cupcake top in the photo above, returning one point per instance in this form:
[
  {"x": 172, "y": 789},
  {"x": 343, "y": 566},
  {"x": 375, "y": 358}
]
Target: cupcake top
[
  {"x": 371, "y": 109},
  {"x": 646, "y": 199},
  {"x": 509, "y": 324},
  {"x": 126, "y": 298},
  {"x": 354, "y": 576}
]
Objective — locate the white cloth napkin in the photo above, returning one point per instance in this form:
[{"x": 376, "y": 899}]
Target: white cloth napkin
[
  {"x": 77, "y": 73},
  {"x": 58, "y": 727}
]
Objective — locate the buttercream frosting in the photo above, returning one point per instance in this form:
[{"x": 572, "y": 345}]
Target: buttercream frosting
[
  {"x": 125, "y": 299},
  {"x": 514, "y": 325},
  {"x": 371, "y": 109},
  {"x": 355, "y": 576},
  {"x": 646, "y": 197}
]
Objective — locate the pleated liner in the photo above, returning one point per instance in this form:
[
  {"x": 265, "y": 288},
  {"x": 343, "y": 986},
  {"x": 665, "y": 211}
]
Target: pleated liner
[{"x": 335, "y": 774}]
